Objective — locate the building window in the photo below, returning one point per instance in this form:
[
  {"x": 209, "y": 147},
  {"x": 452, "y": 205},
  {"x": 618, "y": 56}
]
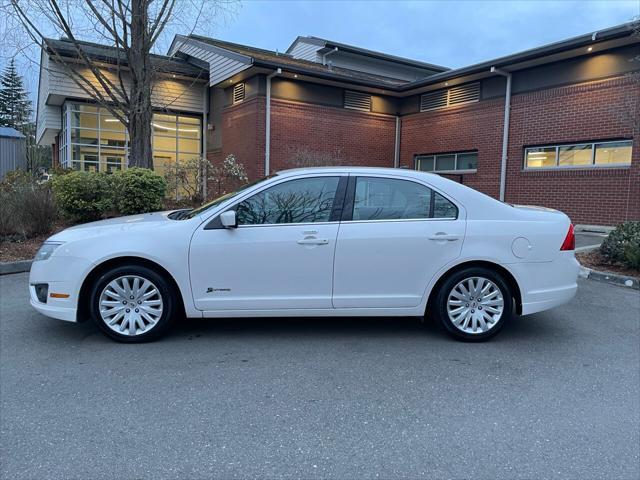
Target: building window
[
  {"x": 579, "y": 155},
  {"x": 459, "y": 162},
  {"x": 458, "y": 95},
  {"x": 92, "y": 139},
  {"x": 357, "y": 101},
  {"x": 238, "y": 92},
  {"x": 176, "y": 139}
]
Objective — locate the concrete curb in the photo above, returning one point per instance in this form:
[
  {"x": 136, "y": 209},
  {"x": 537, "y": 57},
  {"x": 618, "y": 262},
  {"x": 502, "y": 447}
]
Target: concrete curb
[
  {"x": 613, "y": 278},
  {"x": 15, "y": 267}
]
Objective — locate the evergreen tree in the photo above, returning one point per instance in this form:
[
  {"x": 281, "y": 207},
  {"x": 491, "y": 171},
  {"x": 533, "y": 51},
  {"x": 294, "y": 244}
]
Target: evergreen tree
[{"x": 15, "y": 105}]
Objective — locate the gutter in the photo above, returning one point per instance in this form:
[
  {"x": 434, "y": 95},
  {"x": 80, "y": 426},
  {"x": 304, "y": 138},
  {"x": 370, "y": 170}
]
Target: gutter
[
  {"x": 396, "y": 150},
  {"x": 267, "y": 125},
  {"x": 505, "y": 131},
  {"x": 325, "y": 55}
]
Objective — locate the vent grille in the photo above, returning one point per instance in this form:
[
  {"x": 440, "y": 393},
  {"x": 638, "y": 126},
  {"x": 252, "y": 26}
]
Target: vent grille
[
  {"x": 433, "y": 100},
  {"x": 238, "y": 92},
  {"x": 452, "y": 96},
  {"x": 357, "y": 101},
  {"x": 464, "y": 94}
]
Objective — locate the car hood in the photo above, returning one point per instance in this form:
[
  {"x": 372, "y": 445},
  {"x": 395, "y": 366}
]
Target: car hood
[{"x": 150, "y": 221}]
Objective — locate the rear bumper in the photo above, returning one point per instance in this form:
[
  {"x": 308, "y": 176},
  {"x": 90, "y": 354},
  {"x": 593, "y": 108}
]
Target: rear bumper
[{"x": 547, "y": 285}]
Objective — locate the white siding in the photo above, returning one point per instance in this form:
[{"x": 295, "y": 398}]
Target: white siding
[
  {"x": 222, "y": 63},
  {"x": 56, "y": 86},
  {"x": 306, "y": 51},
  {"x": 48, "y": 119}
]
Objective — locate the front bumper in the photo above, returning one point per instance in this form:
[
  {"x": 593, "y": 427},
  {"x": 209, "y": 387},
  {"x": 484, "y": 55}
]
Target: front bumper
[{"x": 63, "y": 275}]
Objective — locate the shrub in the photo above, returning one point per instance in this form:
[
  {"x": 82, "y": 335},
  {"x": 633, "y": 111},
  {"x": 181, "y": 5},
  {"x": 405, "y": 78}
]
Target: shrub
[
  {"x": 137, "y": 190},
  {"x": 632, "y": 255},
  {"x": 26, "y": 208},
  {"x": 83, "y": 196},
  {"x": 625, "y": 238}
]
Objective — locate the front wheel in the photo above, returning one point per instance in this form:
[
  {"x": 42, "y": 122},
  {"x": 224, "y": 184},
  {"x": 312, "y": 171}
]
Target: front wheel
[
  {"x": 132, "y": 304},
  {"x": 473, "y": 304}
]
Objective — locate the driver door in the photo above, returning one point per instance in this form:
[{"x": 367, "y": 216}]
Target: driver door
[{"x": 280, "y": 256}]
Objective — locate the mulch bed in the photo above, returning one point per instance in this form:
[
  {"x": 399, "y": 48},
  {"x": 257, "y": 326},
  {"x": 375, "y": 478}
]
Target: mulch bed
[
  {"x": 15, "y": 249},
  {"x": 596, "y": 261}
]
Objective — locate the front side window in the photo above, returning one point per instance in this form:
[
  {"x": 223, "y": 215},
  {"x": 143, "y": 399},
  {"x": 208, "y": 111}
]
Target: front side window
[
  {"x": 581, "y": 155},
  {"x": 448, "y": 162},
  {"x": 394, "y": 199},
  {"x": 305, "y": 200}
]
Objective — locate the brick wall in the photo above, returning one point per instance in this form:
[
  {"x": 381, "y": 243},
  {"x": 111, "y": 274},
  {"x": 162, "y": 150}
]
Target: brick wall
[
  {"x": 476, "y": 126},
  {"x": 243, "y": 136},
  {"x": 594, "y": 111},
  {"x": 345, "y": 136}
]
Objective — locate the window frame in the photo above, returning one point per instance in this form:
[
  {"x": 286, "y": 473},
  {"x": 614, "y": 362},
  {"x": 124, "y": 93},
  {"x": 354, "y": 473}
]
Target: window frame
[
  {"x": 592, "y": 165},
  {"x": 349, "y": 202},
  {"x": 455, "y": 171}
]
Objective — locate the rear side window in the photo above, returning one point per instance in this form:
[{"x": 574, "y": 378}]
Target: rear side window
[
  {"x": 306, "y": 200},
  {"x": 393, "y": 199}
]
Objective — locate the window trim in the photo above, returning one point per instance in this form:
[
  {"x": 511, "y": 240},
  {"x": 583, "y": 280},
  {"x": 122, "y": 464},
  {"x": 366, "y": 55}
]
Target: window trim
[
  {"x": 446, "y": 172},
  {"x": 591, "y": 166},
  {"x": 347, "y": 212}
]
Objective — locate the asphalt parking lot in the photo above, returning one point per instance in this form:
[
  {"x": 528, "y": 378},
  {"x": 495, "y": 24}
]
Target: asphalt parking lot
[{"x": 556, "y": 395}]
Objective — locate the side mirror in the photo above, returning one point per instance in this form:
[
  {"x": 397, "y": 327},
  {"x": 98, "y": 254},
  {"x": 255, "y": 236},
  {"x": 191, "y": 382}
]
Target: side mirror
[{"x": 228, "y": 219}]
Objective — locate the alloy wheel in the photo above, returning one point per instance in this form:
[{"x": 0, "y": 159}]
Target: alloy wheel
[
  {"x": 475, "y": 305},
  {"x": 130, "y": 305}
]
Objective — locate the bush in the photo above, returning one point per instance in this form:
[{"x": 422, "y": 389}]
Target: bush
[
  {"x": 83, "y": 196},
  {"x": 137, "y": 190},
  {"x": 632, "y": 255},
  {"x": 27, "y": 209},
  {"x": 623, "y": 243}
]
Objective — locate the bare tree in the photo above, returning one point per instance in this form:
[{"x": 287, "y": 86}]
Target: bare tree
[{"x": 133, "y": 27}]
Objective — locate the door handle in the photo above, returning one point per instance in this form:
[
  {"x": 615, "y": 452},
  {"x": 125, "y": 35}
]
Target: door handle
[
  {"x": 449, "y": 237},
  {"x": 313, "y": 241}
]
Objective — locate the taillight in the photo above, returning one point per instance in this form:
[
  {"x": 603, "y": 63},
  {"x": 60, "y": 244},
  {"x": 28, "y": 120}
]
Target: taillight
[{"x": 569, "y": 241}]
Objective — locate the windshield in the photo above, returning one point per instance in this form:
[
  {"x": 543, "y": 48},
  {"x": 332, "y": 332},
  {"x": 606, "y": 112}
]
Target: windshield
[{"x": 217, "y": 201}]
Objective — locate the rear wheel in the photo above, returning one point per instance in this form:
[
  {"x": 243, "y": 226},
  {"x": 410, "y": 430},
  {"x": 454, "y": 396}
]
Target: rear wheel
[
  {"x": 132, "y": 304},
  {"x": 473, "y": 304}
]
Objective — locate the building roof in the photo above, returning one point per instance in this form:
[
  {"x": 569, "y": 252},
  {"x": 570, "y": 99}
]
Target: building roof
[
  {"x": 110, "y": 54},
  {"x": 619, "y": 31},
  {"x": 10, "y": 132},
  {"x": 269, "y": 58},
  {"x": 330, "y": 44}
]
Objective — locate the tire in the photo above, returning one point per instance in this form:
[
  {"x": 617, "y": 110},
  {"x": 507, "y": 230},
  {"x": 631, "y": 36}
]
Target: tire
[
  {"x": 149, "y": 313},
  {"x": 462, "y": 316}
]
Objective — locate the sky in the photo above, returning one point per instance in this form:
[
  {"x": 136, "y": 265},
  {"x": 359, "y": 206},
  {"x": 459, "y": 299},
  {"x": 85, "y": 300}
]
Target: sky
[{"x": 448, "y": 33}]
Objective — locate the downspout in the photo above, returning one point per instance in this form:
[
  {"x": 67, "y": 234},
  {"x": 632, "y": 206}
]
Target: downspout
[
  {"x": 505, "y": 131},
  {"x": 325, "y": 55},
  {"x": 267, "y": 125},
  {"x": 205, "y": 129},
  {"x": 396, "y": 150}
]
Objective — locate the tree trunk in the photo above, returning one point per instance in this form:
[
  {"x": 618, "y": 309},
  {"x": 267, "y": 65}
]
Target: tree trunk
[{"x": 140, "y": 116}]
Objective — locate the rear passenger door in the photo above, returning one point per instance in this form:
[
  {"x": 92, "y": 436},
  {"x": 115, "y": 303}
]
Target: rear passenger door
[{"x": 395, "y": 234}]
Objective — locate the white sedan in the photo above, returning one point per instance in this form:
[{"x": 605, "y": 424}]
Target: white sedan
[{"x": 314, "y": 242}]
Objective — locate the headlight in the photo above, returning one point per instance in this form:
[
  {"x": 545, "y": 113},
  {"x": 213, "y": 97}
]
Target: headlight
[{"x": 46, "y": 250}]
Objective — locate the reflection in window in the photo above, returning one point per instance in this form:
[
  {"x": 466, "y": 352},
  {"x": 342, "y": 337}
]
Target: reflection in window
[
  {"x": 394, "y": 199},
  {"x": 307, "y": 200},
  {"x": 573, "y": 155},
  {"x": 390, "y": 199}
]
